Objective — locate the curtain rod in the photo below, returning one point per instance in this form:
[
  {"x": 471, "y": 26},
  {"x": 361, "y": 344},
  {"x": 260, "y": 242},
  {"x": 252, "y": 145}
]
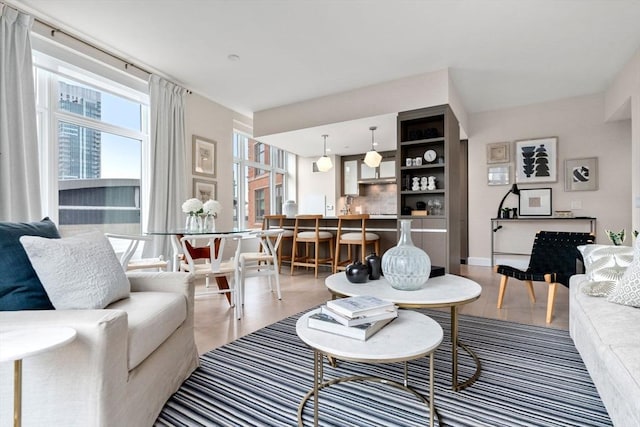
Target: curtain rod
[{"x": 51, "y": 33}]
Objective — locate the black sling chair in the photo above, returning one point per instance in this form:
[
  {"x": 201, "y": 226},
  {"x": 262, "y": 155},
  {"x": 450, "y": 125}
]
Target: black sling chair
[{"x": 553, "y": 260}]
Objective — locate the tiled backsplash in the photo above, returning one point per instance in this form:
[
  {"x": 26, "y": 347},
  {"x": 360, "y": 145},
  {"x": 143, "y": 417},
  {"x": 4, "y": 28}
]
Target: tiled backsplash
[{"x": 373, "y": 199}]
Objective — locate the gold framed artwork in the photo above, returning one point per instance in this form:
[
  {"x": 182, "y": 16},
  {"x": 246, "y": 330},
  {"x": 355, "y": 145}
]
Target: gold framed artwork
[
  {"x": 204, "y": 189},
  {"x": 204, "y": 156},
  {"x": 498, "y": 152},
  {"x": 581, "y": 174}
]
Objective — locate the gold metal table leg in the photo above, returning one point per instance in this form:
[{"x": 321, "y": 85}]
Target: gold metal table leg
[
  {"x": 17, "y": 393},
  {"x": 455, "y": 343}
]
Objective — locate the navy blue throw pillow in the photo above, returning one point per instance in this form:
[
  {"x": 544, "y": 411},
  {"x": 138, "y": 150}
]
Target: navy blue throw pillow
[{"x": 20, "y": 288}]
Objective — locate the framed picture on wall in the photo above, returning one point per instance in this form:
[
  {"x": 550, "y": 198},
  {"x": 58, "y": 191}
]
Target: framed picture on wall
[
  {"x": 204, "y": 156},
  {"x": 581, "y": 174},
  {"x": 535, "y": 202},
  {"x": 204, "y": 189},
  {"x": 498, "y": 175},
  {"x": 536, "y": 160},
  {"x": 498, "y": 152}
]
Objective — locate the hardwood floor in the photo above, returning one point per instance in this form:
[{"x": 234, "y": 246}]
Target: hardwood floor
[{"x": 215, "y": 324}]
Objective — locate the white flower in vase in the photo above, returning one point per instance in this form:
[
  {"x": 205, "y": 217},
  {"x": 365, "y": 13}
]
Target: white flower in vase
[
  {"x": 192, "y": 206},
  {"x": 193, "y": 209},
  {"x": 211, "y": 209}
]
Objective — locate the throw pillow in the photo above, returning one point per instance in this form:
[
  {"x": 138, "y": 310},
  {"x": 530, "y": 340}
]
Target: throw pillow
[
  {"x": 627, "y": 291},
  {"x": 604, "y": 266},
  {"x": 20, "y": 288},
  {"x": 79, "y": 272}
]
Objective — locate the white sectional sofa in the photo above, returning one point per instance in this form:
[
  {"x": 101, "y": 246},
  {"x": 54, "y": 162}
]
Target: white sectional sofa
[
  {"x": 607, "y": 335},
  {"x": 125, "y": 363}
]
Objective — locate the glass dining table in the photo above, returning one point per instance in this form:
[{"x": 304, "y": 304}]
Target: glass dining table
[{"x": 195, "y": 252}]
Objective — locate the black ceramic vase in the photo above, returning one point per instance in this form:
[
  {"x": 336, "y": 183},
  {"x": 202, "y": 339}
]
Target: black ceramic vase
[
  {"x": 374, "y": 266},
  {"x": 357, "y": 272}
]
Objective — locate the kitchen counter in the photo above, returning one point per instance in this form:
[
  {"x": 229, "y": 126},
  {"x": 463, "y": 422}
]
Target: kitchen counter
[{"x": 385, "y": 226}]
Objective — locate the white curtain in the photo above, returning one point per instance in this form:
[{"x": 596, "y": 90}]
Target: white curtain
[
  {"x": 19, "y": 159},
  {"x": 167, "y": 187}
]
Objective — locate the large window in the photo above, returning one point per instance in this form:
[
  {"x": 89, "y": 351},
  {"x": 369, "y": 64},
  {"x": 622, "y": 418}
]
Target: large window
[
  {"x": 261, "y": 174},
  {"x": 93, "y": 133}
]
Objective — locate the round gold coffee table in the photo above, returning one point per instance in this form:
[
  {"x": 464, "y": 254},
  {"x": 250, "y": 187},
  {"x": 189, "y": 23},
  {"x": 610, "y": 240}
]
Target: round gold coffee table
[
  {"x": 448, "y": 291},
  {"x": 396, "y": 342}
]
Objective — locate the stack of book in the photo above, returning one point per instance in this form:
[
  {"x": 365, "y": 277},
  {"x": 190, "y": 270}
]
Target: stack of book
[{"x": 357, "y": 317}]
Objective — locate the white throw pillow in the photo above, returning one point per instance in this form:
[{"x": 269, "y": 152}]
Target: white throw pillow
[
  {"x": 627, "y": 291},
  {"x": 604, "y": 266},
  {"x": 79, "y": 272}
]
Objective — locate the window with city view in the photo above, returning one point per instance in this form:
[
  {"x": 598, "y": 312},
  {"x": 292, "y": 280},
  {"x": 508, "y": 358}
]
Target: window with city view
[
  {"x": 98, "y": 134},
  {"x": 260, "y": 179}
]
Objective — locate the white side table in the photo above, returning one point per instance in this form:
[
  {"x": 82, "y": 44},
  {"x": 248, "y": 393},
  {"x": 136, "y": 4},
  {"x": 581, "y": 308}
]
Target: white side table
[
  {"x": 411, "y": 336},
  {"x": 18, "y": 344}
]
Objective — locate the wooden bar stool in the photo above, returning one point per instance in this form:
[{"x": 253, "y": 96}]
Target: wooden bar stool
[
  {"x": 277, "y": 221},
  {"x": 314, "y": 237},
  {"x": 359, "y": 238}
]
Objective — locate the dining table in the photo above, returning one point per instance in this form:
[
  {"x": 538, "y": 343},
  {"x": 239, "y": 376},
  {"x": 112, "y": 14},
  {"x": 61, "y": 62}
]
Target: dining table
[{"x": 203, "y": 252}]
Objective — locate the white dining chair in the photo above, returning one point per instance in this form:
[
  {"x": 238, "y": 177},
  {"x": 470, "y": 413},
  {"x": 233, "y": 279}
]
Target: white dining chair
[
  {"x": 214, "y": 266},
  {"x": 126, "y": 258},
  {"x": 262, "y": 263}
]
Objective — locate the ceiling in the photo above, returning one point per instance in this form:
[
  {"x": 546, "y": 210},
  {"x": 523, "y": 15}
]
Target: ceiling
[{"x": 500, "y": 53}]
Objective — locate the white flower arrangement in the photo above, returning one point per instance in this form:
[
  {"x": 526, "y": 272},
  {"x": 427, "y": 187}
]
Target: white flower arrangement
[
  {"x": 192, "y": 207},
  {"x": 212, "y": 207}
]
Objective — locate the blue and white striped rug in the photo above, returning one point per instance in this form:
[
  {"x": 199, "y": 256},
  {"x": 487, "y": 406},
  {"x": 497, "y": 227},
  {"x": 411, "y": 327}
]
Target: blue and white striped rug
[{"x": 531, "y": 376}]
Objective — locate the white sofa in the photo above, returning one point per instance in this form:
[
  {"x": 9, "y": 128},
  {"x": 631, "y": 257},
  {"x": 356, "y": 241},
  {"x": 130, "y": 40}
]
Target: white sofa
[
  {"x": 607, "y": 335},
  {"x": 125, "y": 363}
]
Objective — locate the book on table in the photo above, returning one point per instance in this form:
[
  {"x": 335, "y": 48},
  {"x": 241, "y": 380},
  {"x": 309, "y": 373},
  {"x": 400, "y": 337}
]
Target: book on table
[
  {"x": 385, "y": 313},
  {"x": 324, "y": 322},
  {"x": 361, "y": 305}
]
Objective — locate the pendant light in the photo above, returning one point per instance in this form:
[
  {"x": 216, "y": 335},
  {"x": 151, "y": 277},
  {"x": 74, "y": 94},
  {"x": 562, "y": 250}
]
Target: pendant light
[
  {"x": 324, "y": 163},
  {"x": 372, "y": 158}
]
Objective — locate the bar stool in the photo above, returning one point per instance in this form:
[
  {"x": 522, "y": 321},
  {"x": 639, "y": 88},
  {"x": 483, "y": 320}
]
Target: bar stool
[
  {"x": 360, "y": 238},
  {"x": 277, "y": 221},
  {"x": 314, "y": 237}
]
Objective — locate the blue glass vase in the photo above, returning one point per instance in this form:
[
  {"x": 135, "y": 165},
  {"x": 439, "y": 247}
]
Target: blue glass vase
[{"x": 405, "y": 266}]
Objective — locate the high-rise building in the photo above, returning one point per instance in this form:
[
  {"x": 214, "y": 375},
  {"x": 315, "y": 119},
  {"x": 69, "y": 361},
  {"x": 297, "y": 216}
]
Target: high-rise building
[{"x": 79, "y": 146}]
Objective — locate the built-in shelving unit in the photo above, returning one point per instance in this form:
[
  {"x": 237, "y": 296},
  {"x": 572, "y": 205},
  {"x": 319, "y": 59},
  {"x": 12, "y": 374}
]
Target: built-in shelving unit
[{"x": 437, "y": 230}]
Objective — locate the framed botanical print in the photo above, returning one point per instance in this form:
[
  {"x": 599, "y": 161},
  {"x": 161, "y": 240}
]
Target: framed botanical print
[
  {"x": 581, "y": 174},
  {"x": 204, "y": 189},
  {"x": 536, "y": 160},
  {"x": 204, "y": 156}
]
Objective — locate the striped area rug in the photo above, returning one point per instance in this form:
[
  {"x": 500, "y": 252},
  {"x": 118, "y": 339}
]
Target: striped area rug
[{"x": 531, "y": 376}]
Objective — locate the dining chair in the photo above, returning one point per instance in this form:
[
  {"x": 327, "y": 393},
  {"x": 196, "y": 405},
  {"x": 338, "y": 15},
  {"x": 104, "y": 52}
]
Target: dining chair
[
  {"x": 262, "y": 263},
  {"x": 214, "y": 266},
  {"x": 553, "y": 260},
  {"x": 126, "y": 257},
  {"x": 277, "y": 221}
]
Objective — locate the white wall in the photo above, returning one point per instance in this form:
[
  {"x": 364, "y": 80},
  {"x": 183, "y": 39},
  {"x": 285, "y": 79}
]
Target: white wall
[
  {"x": 317, "y": 191},
  {"x": 390, "y": 97},
  {"x": 210, "y": 120},
  {"x": 579, "y": 125},
  {"x": 622, "y": 100}
]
